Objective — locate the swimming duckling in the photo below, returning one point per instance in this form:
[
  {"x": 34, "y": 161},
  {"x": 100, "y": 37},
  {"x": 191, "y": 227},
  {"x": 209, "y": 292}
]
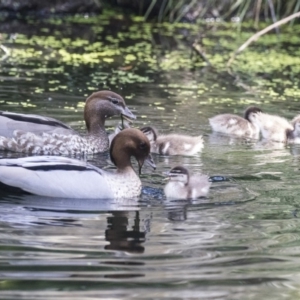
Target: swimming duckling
[
  {"x": 122, "y": 125},
  {"x": 294, "y": 135},
  {"x": 173, "y": 144},
  {"x": 183, "y": 186},
  {"x": 272, "y": 127},
  {"x": 55, "y": 176},
  {"x": 235, "y": 125},
  {"x": 30, "y": 137}
]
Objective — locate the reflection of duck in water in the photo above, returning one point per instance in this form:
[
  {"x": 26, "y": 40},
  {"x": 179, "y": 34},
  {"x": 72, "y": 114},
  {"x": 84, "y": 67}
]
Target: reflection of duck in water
[
  {"x": 183, "y": 186},
  {"x": 122, "y": 239},
  {"x": 176, "y": 211}
]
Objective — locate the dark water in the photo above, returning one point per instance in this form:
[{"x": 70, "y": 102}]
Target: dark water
[{"x": 242, "y": 242}]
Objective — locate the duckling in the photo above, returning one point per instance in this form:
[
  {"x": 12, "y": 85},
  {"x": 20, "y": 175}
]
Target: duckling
[
  {"x": 273, "y": 128},
  {"x": 122, "y": 125},
  {"x": 56, "y": 176},
  {"x": 235, "y": 125},
  {"x": 183, "y": 186},
  {"x": 294, "y": 135},
  {"x": 59, "y": 139},
  {"x": 173, "y": 144}
]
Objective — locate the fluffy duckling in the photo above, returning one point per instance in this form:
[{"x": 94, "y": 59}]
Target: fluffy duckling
[
  {"x": 122, "y": 125},
  {"x": 273, "y": 128},
  {"x": 173, "y": 144},
  {"x": 55, "y": 176},
  {"x": 58, "y": 138},
  {"x": 235, "y": 125},
  {"x": 294, "y": 135},
  {"x": 183, "y": 186}
]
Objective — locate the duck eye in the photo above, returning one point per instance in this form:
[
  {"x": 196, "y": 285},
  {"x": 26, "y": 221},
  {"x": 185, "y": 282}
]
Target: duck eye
[
  {"x": 143, "y": 145},
  {"x": 115, "y": 101}
]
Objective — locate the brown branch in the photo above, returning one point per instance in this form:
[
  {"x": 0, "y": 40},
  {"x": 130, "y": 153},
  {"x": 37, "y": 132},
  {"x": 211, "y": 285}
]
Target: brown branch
[
  {"x": 257, "y": 35},
  {"x": 198, "y": 49}
]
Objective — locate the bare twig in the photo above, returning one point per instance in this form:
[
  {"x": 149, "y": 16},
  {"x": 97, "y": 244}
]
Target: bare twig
[
  {"x": 198, "y": 49},
  {"x": 4, "y": 49},
  {"x": 257, "y": 35},
  {"x": 6, "y": 52}
]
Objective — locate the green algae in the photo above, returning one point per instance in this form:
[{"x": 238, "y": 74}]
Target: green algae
[{"x": 134, "y": 51}]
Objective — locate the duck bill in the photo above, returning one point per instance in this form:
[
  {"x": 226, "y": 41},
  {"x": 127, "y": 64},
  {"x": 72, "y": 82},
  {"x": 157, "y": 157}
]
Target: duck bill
[
  {"x": 149, "y": 162},
  {"x": 127, "y": 114},
  {"x": 167, "y": 176}
]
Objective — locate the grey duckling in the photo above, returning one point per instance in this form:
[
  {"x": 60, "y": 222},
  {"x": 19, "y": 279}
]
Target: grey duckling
[
  {"x": 58, "y": 138},
  {"x": 235, "y": 125},
  {"x": 56, "y": 176},
  {"x": 183, "y": 186},
  {"x": 294, "y": 135},
  {"x": 272, "y": 128},
  {"x": 173, "y": 144}
]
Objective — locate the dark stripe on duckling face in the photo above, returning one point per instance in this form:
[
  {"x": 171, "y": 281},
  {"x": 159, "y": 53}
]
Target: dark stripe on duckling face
[
  {"x": 179, "y": 170},
  {"x": 26, "y": 118},
  {"x": 162, "y": 150},
  {"x": 148, "y": 131},
  {"x": 251, "y": 110}
]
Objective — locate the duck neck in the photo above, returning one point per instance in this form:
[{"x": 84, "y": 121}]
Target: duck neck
[
  {"x": 123, "y": 163},
  {"x": 95, "y": 113},
  {"x": 96, "y": 127}
]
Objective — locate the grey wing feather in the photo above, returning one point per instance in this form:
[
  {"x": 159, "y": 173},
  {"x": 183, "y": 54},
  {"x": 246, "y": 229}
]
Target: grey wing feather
[{"x": 9, "y": 122}]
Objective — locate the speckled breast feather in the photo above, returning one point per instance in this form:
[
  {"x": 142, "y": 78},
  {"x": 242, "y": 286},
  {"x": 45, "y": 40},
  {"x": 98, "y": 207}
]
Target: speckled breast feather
[{"x": 53, "y": 144}]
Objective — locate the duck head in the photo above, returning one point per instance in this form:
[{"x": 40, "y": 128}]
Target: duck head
[
  {"x": 130, "y": 142},
  {"x": 250, "y": 112},
  {"x": 150, "y": 133},
  {"x": 179, "y": 174},
  {"x": 101, "y": 105},
  {"x": 296, "y": 124}
]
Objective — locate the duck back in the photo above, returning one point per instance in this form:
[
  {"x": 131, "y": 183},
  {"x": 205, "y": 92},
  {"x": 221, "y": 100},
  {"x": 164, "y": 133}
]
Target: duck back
[
  {"x": 272, "y": 127},
  {"x": 234, "y": 125},
  {"x": 72, "y": 179},
  {"x": 9, "y": 122},
  {"x": 177, "y": 144}
]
